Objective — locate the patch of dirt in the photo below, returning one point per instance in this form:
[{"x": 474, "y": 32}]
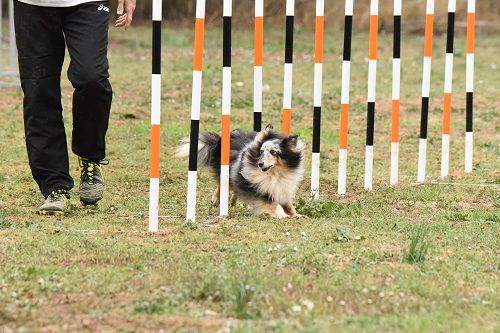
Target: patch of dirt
[{"x": 85, "y": 312}]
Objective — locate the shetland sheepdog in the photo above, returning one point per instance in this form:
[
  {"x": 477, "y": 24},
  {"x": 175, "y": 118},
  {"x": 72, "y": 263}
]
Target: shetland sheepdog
[{"x": 265, "y": 168}]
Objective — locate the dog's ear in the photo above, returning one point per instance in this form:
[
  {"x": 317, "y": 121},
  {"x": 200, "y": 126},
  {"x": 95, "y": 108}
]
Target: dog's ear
[
  {"x": 265, "y": 132},
  {"x": 291, "y": 141}
]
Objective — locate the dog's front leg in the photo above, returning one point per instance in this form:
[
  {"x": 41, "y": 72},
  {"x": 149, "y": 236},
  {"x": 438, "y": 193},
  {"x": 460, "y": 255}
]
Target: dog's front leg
[
  {"x": 216, "y": 196},
  {"x": 278, "y": 211},
  {"x": 270, "y": 208},
  {"x": 290, "y": 210},
  {"x": 233, "y": 199}
]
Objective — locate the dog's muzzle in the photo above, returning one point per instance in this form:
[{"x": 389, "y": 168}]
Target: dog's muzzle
[{"x": 264, "y": 169}]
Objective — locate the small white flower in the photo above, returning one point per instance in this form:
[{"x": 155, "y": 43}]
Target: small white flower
[
  {"x": 296, "y": 308},
  {"x": 303, "y": 234},
  {"x": 365, "y": 290},
  {"x": 357, "y": 237},
  {"x": 342, "y": 302},
  {"x": 308, "y": 304},
  {"x": 270, "y": 249},
  {"x": 369, "y": 301},
  {"x": 287, "y": 233},
  {"x": 239, "y": 84},
  {"x": 295, "y": 249},
  {"x": 329, "y": 299}
]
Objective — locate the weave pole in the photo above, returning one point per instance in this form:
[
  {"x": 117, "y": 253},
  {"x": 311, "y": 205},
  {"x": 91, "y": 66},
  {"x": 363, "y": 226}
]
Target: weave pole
[
  {"x": 396, "y": 88},
  {"x": 258, "y": 46},
  {"x": 447, "y": 94},
  {"x": 154, "y": 180},
  {"x": 288, "y": 70},
  {"x": 199, "y": 33},
  {"x": 12, "y": 64},
  {"x": 469, "y": 83},
  {"x": 226, "y": 108},
  {"x": 317, "y": 92},
  {"x": 372, "y": 83},
  {"x": 344, "y": 97},
  {"x": 426, "y": 82}
]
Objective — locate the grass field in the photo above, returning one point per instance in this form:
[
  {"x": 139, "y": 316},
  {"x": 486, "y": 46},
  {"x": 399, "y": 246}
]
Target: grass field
[{"x": 348, "y": 268}]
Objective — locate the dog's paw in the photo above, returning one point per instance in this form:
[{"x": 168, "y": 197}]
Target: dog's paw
[
  {"x": 233, "y": 200},
  {"x": 215, "y": 200},
  {"x": 300, "y": 216}
]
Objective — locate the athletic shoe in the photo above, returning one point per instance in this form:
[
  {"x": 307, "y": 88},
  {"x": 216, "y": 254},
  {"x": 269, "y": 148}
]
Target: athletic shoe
[
  {"x": 56, "y": 203},
  {"x": 91, "y": 181}
]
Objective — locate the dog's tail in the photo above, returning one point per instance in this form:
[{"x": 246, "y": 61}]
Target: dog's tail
[{"x": 208, "y": 149}]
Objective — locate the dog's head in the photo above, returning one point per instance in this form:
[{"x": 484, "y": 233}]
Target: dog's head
[{"x": 278, "y": 150}]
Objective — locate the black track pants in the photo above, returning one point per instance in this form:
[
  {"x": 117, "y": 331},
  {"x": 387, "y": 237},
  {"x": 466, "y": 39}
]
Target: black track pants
[{"x": 42, "y": 34}]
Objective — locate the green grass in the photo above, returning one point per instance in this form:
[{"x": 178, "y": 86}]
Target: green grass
[
  {"x": 419, "y": 245},
  {"x": 99, "y": 270}
]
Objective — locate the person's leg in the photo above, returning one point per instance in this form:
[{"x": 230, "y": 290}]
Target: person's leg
[
  {"x": 86, "y": 30},
  {"x": 40, "y": 45}
]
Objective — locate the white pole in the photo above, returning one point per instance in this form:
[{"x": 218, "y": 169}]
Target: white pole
[{"x": 12, "y": 39}]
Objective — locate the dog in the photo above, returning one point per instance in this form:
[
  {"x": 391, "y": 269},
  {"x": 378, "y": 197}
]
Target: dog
[{"x": 265, "y": 168}]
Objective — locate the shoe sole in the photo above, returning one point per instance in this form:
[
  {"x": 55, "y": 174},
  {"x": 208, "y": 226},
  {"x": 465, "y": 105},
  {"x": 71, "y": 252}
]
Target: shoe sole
[
  {"x": 51, "y": 212},
  {"x": 89, "y": 203}
]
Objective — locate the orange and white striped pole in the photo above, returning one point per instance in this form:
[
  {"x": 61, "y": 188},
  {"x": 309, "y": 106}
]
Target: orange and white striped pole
[
  {"x": 396, "y": 88},
  {"x": 372, "y": 83},
  {"x": 195, "y": 110},
  {"x": 317, "y": 94},
  {"x": 154, "y": 180},
  {"x": 426, "y": 82},
  {"x": 448, "y": 83},
  {"x": 226, "y": 108},
  {"x": 469, "y": 83},
  {"x": 344, "y": 97},
  {"x": 258, "y": 46},
  {"x": 288, "y": 70}
]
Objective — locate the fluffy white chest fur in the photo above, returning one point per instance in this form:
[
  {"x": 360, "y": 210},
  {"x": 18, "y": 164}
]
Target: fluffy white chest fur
[{"x": 281, "y": 186}]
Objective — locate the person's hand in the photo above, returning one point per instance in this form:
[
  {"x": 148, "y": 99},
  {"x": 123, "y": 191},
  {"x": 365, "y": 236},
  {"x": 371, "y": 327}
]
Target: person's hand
[{"x": 125, "y": 11}]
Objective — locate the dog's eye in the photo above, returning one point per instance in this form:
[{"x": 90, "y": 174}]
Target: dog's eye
[
  {"x": 273, "y": 152},
  {"x": 261, "y": 152}
]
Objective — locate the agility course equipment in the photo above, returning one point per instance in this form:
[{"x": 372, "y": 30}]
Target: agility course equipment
[
  {"x": 195, "y": 110},
  {"x": 258, "y": 64},
  {"x": 154, "y": 180},
  {"x": 372, "y": 83},
  {"x": 344, "y": 97},
  {"x": 447, "y": 94},
  {"x": 469, "y": 83},
  {"x": 396, "y": 88},
  {"x": 288, "y": 68},
  {"x": 12, "y": 64},
  {"x": 317, "y": 93},
  {"x": 226, "y": 108},
  {"x": 426, "y": 83}
]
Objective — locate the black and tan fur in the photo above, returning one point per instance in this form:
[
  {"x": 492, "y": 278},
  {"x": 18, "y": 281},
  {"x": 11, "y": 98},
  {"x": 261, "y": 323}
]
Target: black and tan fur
[{"x": 265, "y": 170}]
